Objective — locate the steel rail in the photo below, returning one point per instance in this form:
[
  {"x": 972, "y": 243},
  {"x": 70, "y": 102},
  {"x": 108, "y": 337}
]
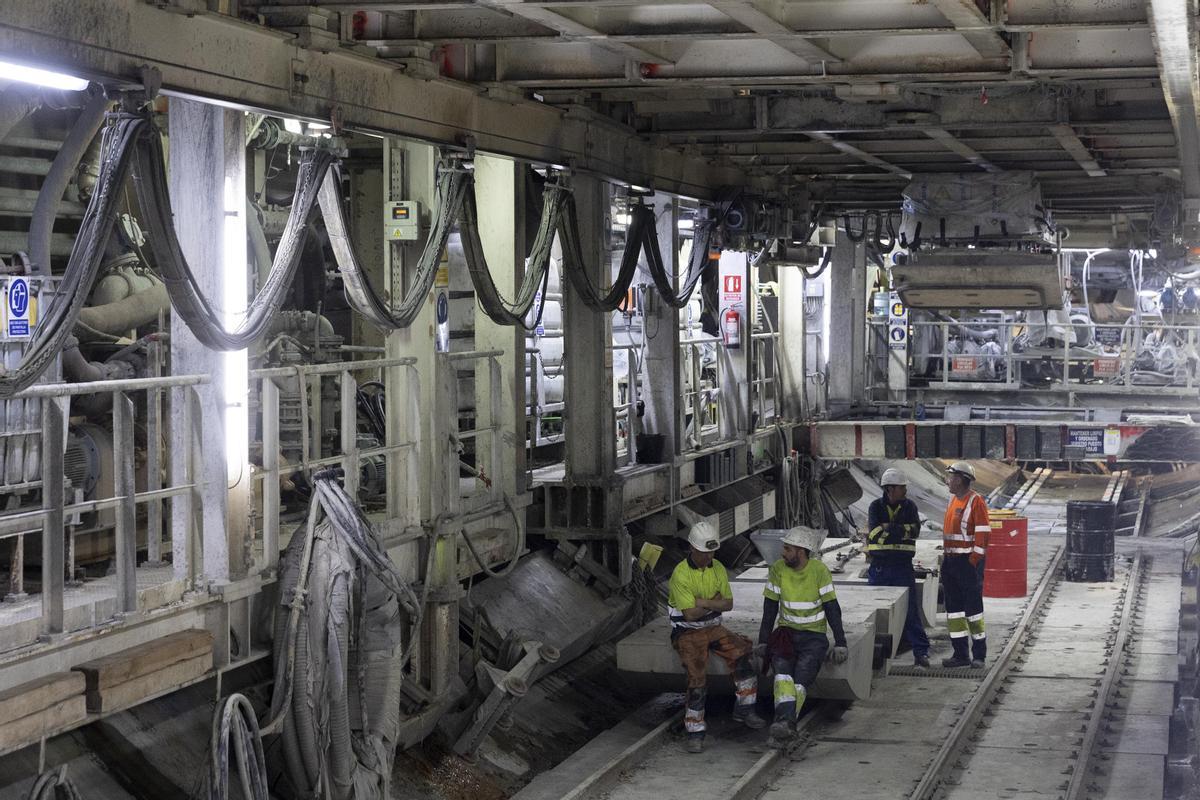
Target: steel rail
[
  {"x": 1077, "y": 787},
  {"x": 969, "y": 719}
]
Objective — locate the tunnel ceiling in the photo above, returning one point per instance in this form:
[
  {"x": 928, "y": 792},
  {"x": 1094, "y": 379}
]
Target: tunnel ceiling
[{"x": 846, "y": 98}]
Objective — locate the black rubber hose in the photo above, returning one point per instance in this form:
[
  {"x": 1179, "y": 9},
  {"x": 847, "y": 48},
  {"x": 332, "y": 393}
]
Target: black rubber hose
[
  {"x": 45, "y": 210},
  {"x": 850, "y": 234},
  {"x": 577, "y": 270}
]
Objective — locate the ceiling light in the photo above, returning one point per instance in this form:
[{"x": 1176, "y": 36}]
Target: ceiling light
[
  {"x": 318, "y": 126},
  {"x": 41, "y": 77},
  {"x": 292, "y": 126},
  {"x": 621, "y": 219},
  {"x": 686, "y": 224}
]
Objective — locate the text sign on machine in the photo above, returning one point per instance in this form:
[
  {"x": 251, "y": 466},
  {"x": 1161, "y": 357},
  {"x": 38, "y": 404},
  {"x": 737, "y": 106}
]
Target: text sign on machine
[
  {"x": 20, "y": 309},
  {"x": 1090, "y": 440}
]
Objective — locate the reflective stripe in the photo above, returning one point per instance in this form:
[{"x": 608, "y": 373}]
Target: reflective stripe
[
  {"x": 693, "y": 721},
  {"x": 956, "y": 614},
  {"x": 974, "y": 618},
  {"x": 957, "y": 634},
  {"x": 954, "y": 537},
  {"x": 785, "y": 689},
  {"x": 799, "y": 606},
  {"x": 911, "y": 548},
  {"x": 801, "y": 620},
  {"x": 978, "y": 636},
  {"x": 746, "y": 690},
  {"x": 978, "y": 550},
  {"x": 826, "y": 589},
  {"x": 678, "y": 620},
  {"x": 958, "y": 550},
  {"x": 983, "y": 528},
  {"x": 773, "y": 589}
]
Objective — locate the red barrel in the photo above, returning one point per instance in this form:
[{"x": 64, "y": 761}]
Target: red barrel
[{"x": 1004, "y": 572}]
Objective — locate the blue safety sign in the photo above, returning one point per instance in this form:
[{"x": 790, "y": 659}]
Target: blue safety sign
[{"x": 19, "y": 309}]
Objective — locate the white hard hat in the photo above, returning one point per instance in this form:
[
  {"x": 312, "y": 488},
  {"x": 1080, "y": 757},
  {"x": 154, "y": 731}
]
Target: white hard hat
[
  {"x": 803, "y": 536},
  {"x": 964, "y": 469},
  {"x": 893, "y": 477},
  {"x": 704, "y": 537}
]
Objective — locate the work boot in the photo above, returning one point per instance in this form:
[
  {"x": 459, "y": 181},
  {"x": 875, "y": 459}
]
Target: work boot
[
  {"x": 921, "y": 662},
  {"x": 977, "y": 663},
  {"x": 695, "y": 744},
  {"x": 954, "y": 662},
  {"x": 781, "y": 731},
  {"x": 749, "y": 718}
]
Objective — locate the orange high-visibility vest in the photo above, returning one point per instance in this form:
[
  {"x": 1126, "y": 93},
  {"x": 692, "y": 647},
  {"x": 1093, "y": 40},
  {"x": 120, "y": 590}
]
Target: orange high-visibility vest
[{"x": 966, "y": 526}]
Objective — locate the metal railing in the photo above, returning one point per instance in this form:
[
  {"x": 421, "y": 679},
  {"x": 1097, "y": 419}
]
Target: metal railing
[
  {"x": 1120, "y": 358},
  {"x": 55, "y": 514},
  {"x": 538, "y": 410},
  {"x": 399, "y": 450},
  {"x": 701, "y": 390},
  {"x": 764, "y": 382},
  {"x": 627, "y": 389},
  {"x": 486, "y": 436}
]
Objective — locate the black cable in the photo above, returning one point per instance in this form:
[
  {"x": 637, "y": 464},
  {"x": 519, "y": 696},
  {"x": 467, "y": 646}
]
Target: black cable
[
  {"x": 116, "y": 151},
  {"x": 187, "y": 298},
  {"x": 537, "y": 269},
  {"x": 577, "y": 269}
]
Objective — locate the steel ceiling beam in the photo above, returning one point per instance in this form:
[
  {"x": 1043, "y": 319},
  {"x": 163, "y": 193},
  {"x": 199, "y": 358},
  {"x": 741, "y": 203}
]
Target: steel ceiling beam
[
  {"x": 1173, "y": 25},
  {"x": 1071, "y": 142},
  {"x": 574, "y": 30},
  {"x": 761, "y": 22},
  {"x": 975, "y": 26},
  {"x": 218, "y": 58},
  {"x": 861, "y": 155},
  {"x": 947, "y": 140}
]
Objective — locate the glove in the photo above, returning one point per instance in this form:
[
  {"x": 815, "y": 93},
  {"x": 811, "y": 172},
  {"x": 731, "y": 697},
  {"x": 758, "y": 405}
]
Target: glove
[
  {"x": 760, "y": 650},
  {"x": 974, "y": 558},
  {"x": 839, "y": 654}
]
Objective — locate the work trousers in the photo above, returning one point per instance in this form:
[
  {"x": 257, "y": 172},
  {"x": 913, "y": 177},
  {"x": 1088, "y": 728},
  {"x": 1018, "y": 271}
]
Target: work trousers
[
  {"x": 899, "y": 572},
  {"x": 964, "y": 607},
  {"x": 694, "y": 648},
  {"x": 796, "y": 670}
]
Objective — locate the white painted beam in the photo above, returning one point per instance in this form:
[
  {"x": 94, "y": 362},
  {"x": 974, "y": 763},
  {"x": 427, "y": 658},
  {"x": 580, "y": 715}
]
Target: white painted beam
[
  {"x": 952, "y": 143},
  {"x": 1070, "y": 142},
  {"x": 974, "y": 25}
]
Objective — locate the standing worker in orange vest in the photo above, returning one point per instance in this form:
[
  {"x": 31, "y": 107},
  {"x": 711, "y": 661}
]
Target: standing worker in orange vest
[{"x": 964, "y": 544}]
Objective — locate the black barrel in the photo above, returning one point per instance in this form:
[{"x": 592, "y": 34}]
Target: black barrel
[{"x": 1090, "y": 540}]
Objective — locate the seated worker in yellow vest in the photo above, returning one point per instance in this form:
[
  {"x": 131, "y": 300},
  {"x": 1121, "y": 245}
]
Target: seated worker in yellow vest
[
  {"x": 698, "y": 592},
  {"x": 800, "y": 592}
]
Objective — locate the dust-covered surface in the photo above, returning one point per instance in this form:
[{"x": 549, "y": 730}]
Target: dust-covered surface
[{"x": 561, "y": 713}]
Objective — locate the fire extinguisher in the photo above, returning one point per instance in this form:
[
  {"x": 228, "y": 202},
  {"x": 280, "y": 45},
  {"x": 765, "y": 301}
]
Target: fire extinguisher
[{"x": 731, "y": 328}]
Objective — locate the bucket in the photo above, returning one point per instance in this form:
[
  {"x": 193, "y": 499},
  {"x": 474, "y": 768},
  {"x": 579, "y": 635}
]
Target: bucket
[
  {"x": 1004, "y": 570},
  {"x": 1090, "y": 540}
]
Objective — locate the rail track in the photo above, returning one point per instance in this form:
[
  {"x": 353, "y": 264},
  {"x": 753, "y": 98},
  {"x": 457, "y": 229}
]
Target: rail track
[{"x": 985, "y": 736}]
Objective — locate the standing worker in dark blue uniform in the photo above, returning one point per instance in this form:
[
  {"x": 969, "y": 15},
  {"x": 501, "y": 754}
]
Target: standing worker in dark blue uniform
[{"x": 894, "y": 526}]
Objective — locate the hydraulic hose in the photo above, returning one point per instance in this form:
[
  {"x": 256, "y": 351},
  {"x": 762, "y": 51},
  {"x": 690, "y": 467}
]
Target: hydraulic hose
[
  {"x": 579, "y": 273},
  {"x": 45, "y": 210},
  {"x": 704, "y": 236},
  {"x": 59, "y": 319},
  {"x": 339, "y": 663},
  {"x": 452, "y": 185},
  {"x": 54, "y": 785},
  {"x": 187, "y": 298},
  {"x": 490, "y": 300}
]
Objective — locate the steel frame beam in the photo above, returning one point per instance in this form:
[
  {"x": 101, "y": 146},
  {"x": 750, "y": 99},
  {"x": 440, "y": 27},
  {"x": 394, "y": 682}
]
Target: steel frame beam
[
  {"x": 1072, "y": 144},
  {"x": 1175, "y": 41},
  {"x": 217, "y": 58}
]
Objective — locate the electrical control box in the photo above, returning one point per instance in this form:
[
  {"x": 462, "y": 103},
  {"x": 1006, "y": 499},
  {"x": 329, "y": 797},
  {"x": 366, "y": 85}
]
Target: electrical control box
[{"x": 402, "y": 220}]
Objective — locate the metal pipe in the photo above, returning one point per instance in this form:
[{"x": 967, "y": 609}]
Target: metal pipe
[{"x": 45, "y": 211}]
